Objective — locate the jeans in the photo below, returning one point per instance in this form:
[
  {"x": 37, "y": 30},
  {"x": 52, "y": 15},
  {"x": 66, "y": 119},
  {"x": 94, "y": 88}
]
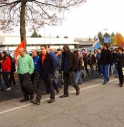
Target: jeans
[
  {"x": 91, "y": 68},
  {"x": 105, "y": 71},
  {"x": 114, "y": 69},
  {"x": 78, "y": 77},
  {"x": 56, "y": 75}
]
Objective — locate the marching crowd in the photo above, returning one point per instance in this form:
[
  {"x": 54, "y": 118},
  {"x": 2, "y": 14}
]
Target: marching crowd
[{"x": 39, "y": 72}]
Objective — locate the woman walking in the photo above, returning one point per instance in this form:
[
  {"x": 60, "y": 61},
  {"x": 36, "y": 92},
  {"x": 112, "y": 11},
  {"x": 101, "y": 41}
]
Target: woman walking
[{"x": 6, "y": 68}]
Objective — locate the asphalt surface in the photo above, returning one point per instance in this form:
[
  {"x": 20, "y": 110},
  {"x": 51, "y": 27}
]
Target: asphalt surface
[{"x": 97, "y": 106}]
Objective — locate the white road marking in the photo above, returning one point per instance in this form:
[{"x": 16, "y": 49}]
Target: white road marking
[{"x": 6, "y": 111}]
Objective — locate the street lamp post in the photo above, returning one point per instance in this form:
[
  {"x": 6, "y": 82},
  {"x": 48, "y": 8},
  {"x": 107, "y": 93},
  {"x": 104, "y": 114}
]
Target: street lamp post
[{"x": 105, "y": 29}]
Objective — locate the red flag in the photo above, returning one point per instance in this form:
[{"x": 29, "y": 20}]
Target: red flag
[{"x": 22, "y": 45}]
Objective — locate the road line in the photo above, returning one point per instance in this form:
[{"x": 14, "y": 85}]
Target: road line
[{"x": 6, "y": 111}]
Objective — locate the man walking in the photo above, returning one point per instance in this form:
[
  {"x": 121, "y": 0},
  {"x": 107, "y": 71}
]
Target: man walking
[
  {"x": 35, "y": 75},
  {"x": 69, "y": 65},
  {"x": 24, "y": 69},
  {"x": 47, "y": 68},
  {"x": 105, "y": 60}
]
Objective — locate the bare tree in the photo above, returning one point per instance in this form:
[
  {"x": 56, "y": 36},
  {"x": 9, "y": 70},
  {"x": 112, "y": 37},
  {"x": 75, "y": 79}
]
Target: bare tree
[{"x": 33, "y": 13}]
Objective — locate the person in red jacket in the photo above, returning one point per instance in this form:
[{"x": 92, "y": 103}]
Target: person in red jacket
[{"x": 6, "y": 68}]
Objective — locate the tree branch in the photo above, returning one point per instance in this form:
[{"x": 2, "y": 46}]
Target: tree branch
[{"x": 3, "y": 4}]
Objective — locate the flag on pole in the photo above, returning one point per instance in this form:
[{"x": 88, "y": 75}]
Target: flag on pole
[
  {"x": 96, "y": 44},
  {"x": 22, "y": 45}
]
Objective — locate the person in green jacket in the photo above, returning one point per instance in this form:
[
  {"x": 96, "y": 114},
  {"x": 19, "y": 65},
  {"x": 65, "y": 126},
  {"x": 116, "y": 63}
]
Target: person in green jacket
[{"x": 24, "y": 69}]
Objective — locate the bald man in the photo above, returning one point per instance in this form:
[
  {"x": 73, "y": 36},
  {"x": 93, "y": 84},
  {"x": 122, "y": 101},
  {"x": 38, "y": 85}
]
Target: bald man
[
  {"x": 24, "y": 69},
  {"x": 35, "y": 75}
]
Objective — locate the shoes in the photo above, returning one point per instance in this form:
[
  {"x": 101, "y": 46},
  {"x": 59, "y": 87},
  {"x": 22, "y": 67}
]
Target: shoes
[
  {"x": 108, "y": 80},
  {"x": 1, "y": 88},
  {"x": 8, "y": 89},
  {"x": 57, "y": 90},
  {"x": 51, "y": 100},
  {"x": 79, "y": 83},
  {"x": 121, "y": 85},
  {"x": 36, "y": 102},
  {"x": 116, "y": 76},
  {"x": 104, "y": 83},
  {"x": 64, "y": 95},
  {"x": 77, "y": 92},
  {"x": 14, "y": 84},
  {"x": 60, "y": 86},
  {"x": 24, "y": 99},
  {"x": 31, "y": 96}
]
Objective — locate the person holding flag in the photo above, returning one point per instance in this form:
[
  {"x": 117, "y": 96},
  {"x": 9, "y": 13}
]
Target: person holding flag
[{"x": 24, "y": 69}]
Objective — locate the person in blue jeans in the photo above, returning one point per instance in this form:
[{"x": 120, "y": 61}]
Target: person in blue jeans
[
  {"x": 105, "y": 60},
  {"x": 78, "y": 69}
]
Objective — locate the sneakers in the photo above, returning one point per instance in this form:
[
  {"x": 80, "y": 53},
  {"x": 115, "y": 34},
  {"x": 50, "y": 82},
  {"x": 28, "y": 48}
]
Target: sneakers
[
  {"x": 64, "y": 95},
  {"x": 36, "y": 102},
  {"x": 116, "y": 76},
  {"x": 24, "y": 99},
  {"x": 8, "y": 89},
  {"x": 77, "y": 92},
  {"x": 51, "y": 100}
]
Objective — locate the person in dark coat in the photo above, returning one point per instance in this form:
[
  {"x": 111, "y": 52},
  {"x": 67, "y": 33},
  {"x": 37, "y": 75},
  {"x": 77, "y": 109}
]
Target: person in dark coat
[
  {"x": 85, "y": 59},
  {"x": 105, "y": 61},
  {"x": 78, "y": 70},
  {"x": 120, "y": 65},
  {"x": 35, "y": 75},
  {"x": 91, "y": 61},
  {"x": 69, "y": 64},
  {"x": 13, "y": 69},
  {"x": 47, "y": 68},
  {"x": 114, "y": 63},
  {"x": 98, "y": 55}
]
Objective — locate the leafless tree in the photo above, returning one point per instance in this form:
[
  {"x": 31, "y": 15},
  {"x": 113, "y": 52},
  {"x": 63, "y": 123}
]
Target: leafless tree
[{"x": 33, "y": 13}]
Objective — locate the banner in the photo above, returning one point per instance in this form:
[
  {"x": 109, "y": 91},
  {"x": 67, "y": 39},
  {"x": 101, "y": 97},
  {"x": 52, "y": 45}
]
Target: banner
[{"x": 96, "y": 44}]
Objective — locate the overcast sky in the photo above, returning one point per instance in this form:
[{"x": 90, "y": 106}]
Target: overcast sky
[{"x": 89, "y": 19}]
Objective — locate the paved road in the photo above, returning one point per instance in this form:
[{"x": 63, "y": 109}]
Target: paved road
[{"x": 97, "y": 106}]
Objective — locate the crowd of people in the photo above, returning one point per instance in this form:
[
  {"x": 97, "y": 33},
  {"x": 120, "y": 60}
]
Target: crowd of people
[{"x": 39, "y": 72}]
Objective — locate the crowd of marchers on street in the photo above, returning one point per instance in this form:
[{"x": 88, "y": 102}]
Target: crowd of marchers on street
[{"x": 40, "y": 72}]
